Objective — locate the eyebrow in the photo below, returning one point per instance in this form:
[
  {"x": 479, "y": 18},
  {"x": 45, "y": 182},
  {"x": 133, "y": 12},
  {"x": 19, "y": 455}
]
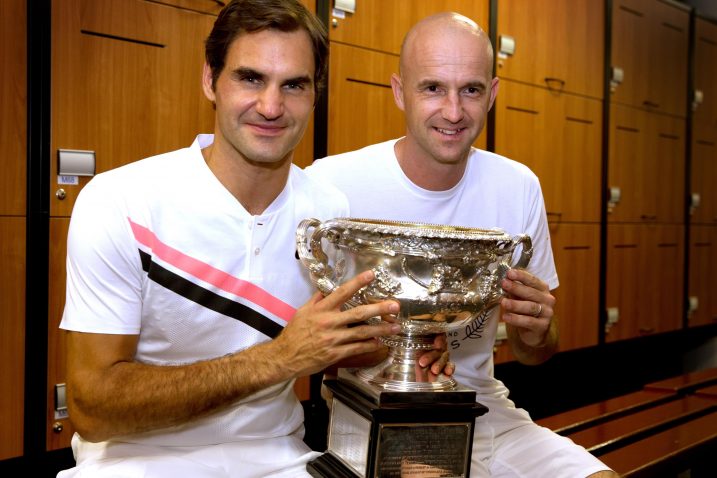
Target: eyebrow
[
  {"x": 245, "y": 72},
  {"x": 473, "y": 84}
]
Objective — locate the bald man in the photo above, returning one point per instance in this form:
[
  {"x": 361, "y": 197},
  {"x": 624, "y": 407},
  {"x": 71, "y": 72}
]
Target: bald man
[{"x": 433, "y": 175}]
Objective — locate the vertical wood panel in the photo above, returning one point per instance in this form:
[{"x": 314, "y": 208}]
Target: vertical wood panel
[
  {"x": 576, "y": 248},
  {"x": 650, "y": 38},
  {"x": 703, "y": 263},
  {"x": 55, "y": 340},
  {"x": 705, "y": 71},
  {"x": 558, "y": 44},
  {"x": 380, "y": 24},
  {"x": 125, "y": 98},
  {"x": 12, "y": 335},
  {"x": 13, "y": 158},
  {"x": 13, "y": 98},
  {"x": 558, "y": 136}
]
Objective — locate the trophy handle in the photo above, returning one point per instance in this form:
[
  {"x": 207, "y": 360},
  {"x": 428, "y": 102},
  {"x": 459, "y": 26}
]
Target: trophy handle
[
  {"x": 308, "y": 247},
  {"x": 526, "y": 251}
]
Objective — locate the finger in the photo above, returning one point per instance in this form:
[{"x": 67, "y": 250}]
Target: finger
[
  {"x": 515, "y": 289},
  {"x": 449, "y": 369},
  {"x": 440, "y": 364},
  {"x": 429, "y": 357},
  {"x": 345, "y": 291},
  {"x": 362, "y": 313},
  {"x": 526, "y": 278},
  {"x": 354, "y": 348},
  {"x": 527, "y": 308},
  {"x": 440, "y": 342},
  {"x": 367, "y": 331}
]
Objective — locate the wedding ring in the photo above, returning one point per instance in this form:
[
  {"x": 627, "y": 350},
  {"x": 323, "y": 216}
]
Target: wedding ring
[{"x": 539, "y": 311}]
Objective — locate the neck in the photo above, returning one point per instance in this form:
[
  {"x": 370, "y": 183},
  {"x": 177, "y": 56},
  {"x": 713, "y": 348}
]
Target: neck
[
  {"x": 427, "y": 172},
  {"x": 254, "y": 185}
]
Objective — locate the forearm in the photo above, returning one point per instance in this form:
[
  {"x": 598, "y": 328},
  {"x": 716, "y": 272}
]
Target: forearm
[
  {"x": 533, "y": 355},
  {"x": 131, "y": 397}
]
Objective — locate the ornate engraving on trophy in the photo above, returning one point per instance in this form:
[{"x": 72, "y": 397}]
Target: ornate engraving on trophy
[
  {"x": 394, "y": 419},
  {"x": 442, "y": 276}
]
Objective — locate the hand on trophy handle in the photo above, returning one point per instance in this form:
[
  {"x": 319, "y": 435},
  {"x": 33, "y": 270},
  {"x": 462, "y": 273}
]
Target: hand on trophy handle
[
  {"x": 321, "y": 333},
  {"x": 528, "y": 310}
]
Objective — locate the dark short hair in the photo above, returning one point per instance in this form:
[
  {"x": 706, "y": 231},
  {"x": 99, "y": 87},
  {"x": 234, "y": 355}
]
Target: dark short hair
[{"x": 251, "y": 16}]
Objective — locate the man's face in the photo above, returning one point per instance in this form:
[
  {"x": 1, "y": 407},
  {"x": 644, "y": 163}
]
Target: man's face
[
  {"x": 446, "y": 91},
  {"x": 264, "y": 96}
]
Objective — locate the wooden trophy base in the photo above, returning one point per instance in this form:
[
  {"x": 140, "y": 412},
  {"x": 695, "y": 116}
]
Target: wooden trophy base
[{"x": 385, "y": 434}]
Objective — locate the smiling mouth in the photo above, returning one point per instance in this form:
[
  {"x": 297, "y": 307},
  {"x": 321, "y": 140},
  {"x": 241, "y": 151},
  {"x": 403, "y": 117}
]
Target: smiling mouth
[{"x": 449, "y": 132}]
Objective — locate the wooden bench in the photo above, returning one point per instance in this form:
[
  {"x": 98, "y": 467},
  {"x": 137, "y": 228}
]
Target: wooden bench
[
  {"x": 612, "y": 434},
  {"x": 688, "y": 446},
  {"x": 668, "y": 427},
  {"x": 686, "y": 383},
  {"x": 709, "y": 392},
  {"x": 581, "y": 418}
]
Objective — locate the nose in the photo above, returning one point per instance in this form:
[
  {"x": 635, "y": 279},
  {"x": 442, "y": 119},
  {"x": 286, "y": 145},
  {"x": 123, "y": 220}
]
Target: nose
[
  {"x": 452, "y": 107},
  {"x": 270, "y": 103}
]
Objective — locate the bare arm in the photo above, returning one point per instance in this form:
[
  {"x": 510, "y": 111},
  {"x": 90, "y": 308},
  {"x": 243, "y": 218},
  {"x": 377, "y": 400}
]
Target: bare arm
[
  {"x": 111, "y": 394},
  {"x": 528, "y": 314}
]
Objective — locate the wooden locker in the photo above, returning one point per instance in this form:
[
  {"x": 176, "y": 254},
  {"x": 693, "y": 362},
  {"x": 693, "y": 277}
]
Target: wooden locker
[
  {"x": 126, "y": 83},
  {"x": 361, "y": 106},
  {"x": 56, "y": 437},
  {"x": 705, "y": 72},
  {"x": 576, "y": 249},
  {"x": 380, "y": 25},
  {"x": 559, "y": 44},
  {"x": 644, "y": 279},
  {"x": 558, "y": 136},
  {"x": 703, "y": 175},
  {"x": 646, "y": 163},
  {"x": 13, "y": 143},
  {"x": 12, "y": 335},
  {"x": 13, "y": 117},
  {"x": 649, "y": 38},
  {"x": 703, "y": 263}
]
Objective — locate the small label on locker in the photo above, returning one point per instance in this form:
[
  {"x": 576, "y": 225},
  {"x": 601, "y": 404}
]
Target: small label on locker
[
  {"x": 348, "y": 6},
  {"x": 336, "y": 13},
  {"x": 68, "y": 180},
  {"x": 60, "y": 414}
]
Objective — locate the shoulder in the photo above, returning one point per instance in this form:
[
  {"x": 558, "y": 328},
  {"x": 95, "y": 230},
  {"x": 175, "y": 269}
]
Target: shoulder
[
  {"x": 321, "y": 194},
  {"x": 360, "y": 158},
  {"x": 502, "y": 170}
]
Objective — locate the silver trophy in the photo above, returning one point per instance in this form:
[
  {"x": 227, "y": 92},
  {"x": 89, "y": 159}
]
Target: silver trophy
[{"x": 443, "y": 277}]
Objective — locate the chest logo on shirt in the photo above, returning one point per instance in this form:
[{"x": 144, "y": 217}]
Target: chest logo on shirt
[
  {"x": 266, "y": 318},
  {"x": 472, "y": 331}
]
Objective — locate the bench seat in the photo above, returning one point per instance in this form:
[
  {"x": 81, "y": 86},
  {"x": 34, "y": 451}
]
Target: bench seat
[
  {"x": 691, "y": 445},
  {"x": 600, "y": 438},
  {"x": 580, "y": 418},
  {"x": 685, "y": 383}
]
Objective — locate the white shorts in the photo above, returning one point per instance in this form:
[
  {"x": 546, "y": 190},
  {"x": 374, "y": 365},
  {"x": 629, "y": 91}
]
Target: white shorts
[
  {"x": 508, "y": 444},
  {"x": 283, "y": 457}
]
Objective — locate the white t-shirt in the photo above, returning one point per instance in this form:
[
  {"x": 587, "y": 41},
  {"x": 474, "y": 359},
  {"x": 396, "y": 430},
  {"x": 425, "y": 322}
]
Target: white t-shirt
[
  {"x": 494, "y": 192},
  {"x": 162, "y": 249}
]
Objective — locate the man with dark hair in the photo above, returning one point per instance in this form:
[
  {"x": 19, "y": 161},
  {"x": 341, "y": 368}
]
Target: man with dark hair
[{"x": 184, "y": 316}]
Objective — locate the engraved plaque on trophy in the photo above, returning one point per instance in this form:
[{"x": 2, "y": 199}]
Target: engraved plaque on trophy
[{"x": 394, "y": 419}]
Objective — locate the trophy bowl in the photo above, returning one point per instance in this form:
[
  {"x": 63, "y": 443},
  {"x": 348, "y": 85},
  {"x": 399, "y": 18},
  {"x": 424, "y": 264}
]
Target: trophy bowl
[{"x": 442, "y": 276}]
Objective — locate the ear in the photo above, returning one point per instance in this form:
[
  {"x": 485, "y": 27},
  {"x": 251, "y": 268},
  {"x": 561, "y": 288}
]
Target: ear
[
  {"x": 207, "y": 83},
  {"x": 397, "y": 87},
  {"x": 493, "y": 92}
]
